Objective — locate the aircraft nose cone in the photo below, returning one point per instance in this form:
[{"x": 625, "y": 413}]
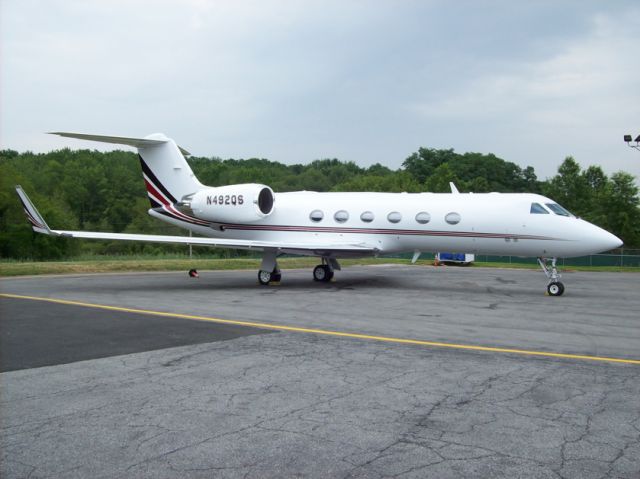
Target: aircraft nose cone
[
  {"x": 608, "y": 241},
  {"x": 615, "y": 241}
]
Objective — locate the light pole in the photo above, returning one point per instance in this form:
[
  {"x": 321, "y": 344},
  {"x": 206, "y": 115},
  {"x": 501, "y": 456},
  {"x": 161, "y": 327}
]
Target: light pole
[{"x": 627, "y": 138}]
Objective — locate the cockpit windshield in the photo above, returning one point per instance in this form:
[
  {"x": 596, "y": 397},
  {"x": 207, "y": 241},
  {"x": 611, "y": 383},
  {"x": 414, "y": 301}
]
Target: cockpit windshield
[
  {"x": 557, "y": 209},
  {"x": 538, "y": 209}
]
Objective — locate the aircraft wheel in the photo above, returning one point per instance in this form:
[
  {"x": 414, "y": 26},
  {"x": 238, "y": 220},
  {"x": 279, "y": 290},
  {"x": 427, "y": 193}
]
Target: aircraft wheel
[
  {"x": 555, "y": 289},
  {"x": 322, "y": 273},
  {"x": 264, "y": 277},
  {"x": 193, "y": 273},
  {"x": 276, "y": 277}
]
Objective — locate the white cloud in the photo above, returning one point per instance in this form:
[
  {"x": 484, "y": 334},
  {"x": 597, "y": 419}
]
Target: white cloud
[
  {"x": 577, "y": 99},
  {"x": 294, "y": 81}
]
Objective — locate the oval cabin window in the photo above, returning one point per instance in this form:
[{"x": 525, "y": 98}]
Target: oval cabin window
[
  {"x": 453, "y": 218},
  {"x": 341, "y": 216},
  {"x": 316, "y": 216},
  {"x": 394, "y": 217},
  {"x": 423, "y": 217},
  {"x": 367, "y": 216}
]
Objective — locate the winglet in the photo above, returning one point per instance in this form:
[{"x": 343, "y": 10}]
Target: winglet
[
  {"x": 454, "y": 190},
  {"x": 38, "y": 223}
]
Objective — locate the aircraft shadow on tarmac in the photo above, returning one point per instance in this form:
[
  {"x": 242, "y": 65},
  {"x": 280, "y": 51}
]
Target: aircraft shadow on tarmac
[{"x": 239, "y": 282}]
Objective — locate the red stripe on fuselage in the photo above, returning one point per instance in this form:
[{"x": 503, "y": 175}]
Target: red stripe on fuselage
[
  {"x": 379, "y": 231},
  {"x": 167, "y": 206},
  {"x": 151, "y": 189}
]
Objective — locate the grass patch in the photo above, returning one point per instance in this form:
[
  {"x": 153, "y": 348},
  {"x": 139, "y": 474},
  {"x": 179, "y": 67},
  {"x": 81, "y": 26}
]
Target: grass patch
[{"x": 110, "y": 264}]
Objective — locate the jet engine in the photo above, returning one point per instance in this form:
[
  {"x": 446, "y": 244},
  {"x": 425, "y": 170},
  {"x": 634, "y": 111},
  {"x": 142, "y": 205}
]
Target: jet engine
[{"x": 244, "y": 203}]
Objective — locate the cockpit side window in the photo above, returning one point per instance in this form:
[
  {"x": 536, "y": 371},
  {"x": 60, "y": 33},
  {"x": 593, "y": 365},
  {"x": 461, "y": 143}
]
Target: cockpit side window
[
  {"x": 538, "y": 209},
  {"x": 557, "y": 209}
]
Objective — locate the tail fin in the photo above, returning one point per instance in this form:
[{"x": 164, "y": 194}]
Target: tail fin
[
  {"x": 35, "y": 218},
  {"x": 167, "y": 175}
]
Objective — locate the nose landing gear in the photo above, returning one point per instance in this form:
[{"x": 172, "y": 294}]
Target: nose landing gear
[{"x": 554, "y": 287}]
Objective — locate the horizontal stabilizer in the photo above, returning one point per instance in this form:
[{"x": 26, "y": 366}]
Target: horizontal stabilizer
[{"x": 118, "y": 140}]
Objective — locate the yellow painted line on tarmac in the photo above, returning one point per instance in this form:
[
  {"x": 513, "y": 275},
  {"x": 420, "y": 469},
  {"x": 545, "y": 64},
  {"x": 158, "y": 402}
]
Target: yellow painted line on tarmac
[{"x": 279, "y": 327}]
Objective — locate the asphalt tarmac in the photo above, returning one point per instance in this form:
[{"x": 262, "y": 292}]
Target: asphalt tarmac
[
  {"x": 398, "y": 371},
  {"x": 35, "y": 334}
]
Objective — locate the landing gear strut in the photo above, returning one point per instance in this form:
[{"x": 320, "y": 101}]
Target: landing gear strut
[
  {"x": 269, "y": 270},
  {"x": 554, "y": 287}
]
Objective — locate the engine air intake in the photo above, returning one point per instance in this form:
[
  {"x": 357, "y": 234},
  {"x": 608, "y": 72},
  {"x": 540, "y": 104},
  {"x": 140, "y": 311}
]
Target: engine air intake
[{"x": 265, "y": 200}]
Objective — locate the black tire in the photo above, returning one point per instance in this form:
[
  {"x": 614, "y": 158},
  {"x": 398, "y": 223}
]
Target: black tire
[
  {"x": 555, "y": 289},
  {"x": 264, "y": 277},
  {"x": 322, "y": 273},
  {"x": 193, "y": 273},
  {"x": 319, "y": 273},
  {"x": 276, "y": 277}
]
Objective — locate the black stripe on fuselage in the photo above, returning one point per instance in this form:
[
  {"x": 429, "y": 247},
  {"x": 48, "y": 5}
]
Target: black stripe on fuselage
[
  {"x": 154, "y": 203},
  {"x": 161, "y": 210}
]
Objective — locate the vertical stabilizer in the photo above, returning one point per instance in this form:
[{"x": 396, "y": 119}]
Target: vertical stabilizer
[{"x": 167, "y": 175}]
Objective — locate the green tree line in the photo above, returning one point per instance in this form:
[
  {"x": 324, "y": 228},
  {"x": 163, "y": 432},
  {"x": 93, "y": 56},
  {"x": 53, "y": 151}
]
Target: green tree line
[{"x": 92, "y": 190}]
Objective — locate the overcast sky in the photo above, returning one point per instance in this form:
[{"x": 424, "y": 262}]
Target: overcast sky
[{"x": 295, "y": 81}]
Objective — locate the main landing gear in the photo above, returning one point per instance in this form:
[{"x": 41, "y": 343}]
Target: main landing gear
[
  {"x": 324, "y": 272},
  {"x": 554, "y": 287},
  {"x": 269, "y": 272},
  {"x": 266, "y": 277}
]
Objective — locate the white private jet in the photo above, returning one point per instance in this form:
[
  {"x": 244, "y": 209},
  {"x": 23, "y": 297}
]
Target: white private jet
[{"x": 344, "y": 225}]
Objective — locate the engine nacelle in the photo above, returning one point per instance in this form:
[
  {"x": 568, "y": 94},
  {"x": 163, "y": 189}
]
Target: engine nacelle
[{"x": 230, "y": 204}]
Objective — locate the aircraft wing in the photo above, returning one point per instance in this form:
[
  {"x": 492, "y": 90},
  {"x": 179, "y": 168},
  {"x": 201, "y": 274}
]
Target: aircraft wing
[{"x": 321, "y": 249}]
